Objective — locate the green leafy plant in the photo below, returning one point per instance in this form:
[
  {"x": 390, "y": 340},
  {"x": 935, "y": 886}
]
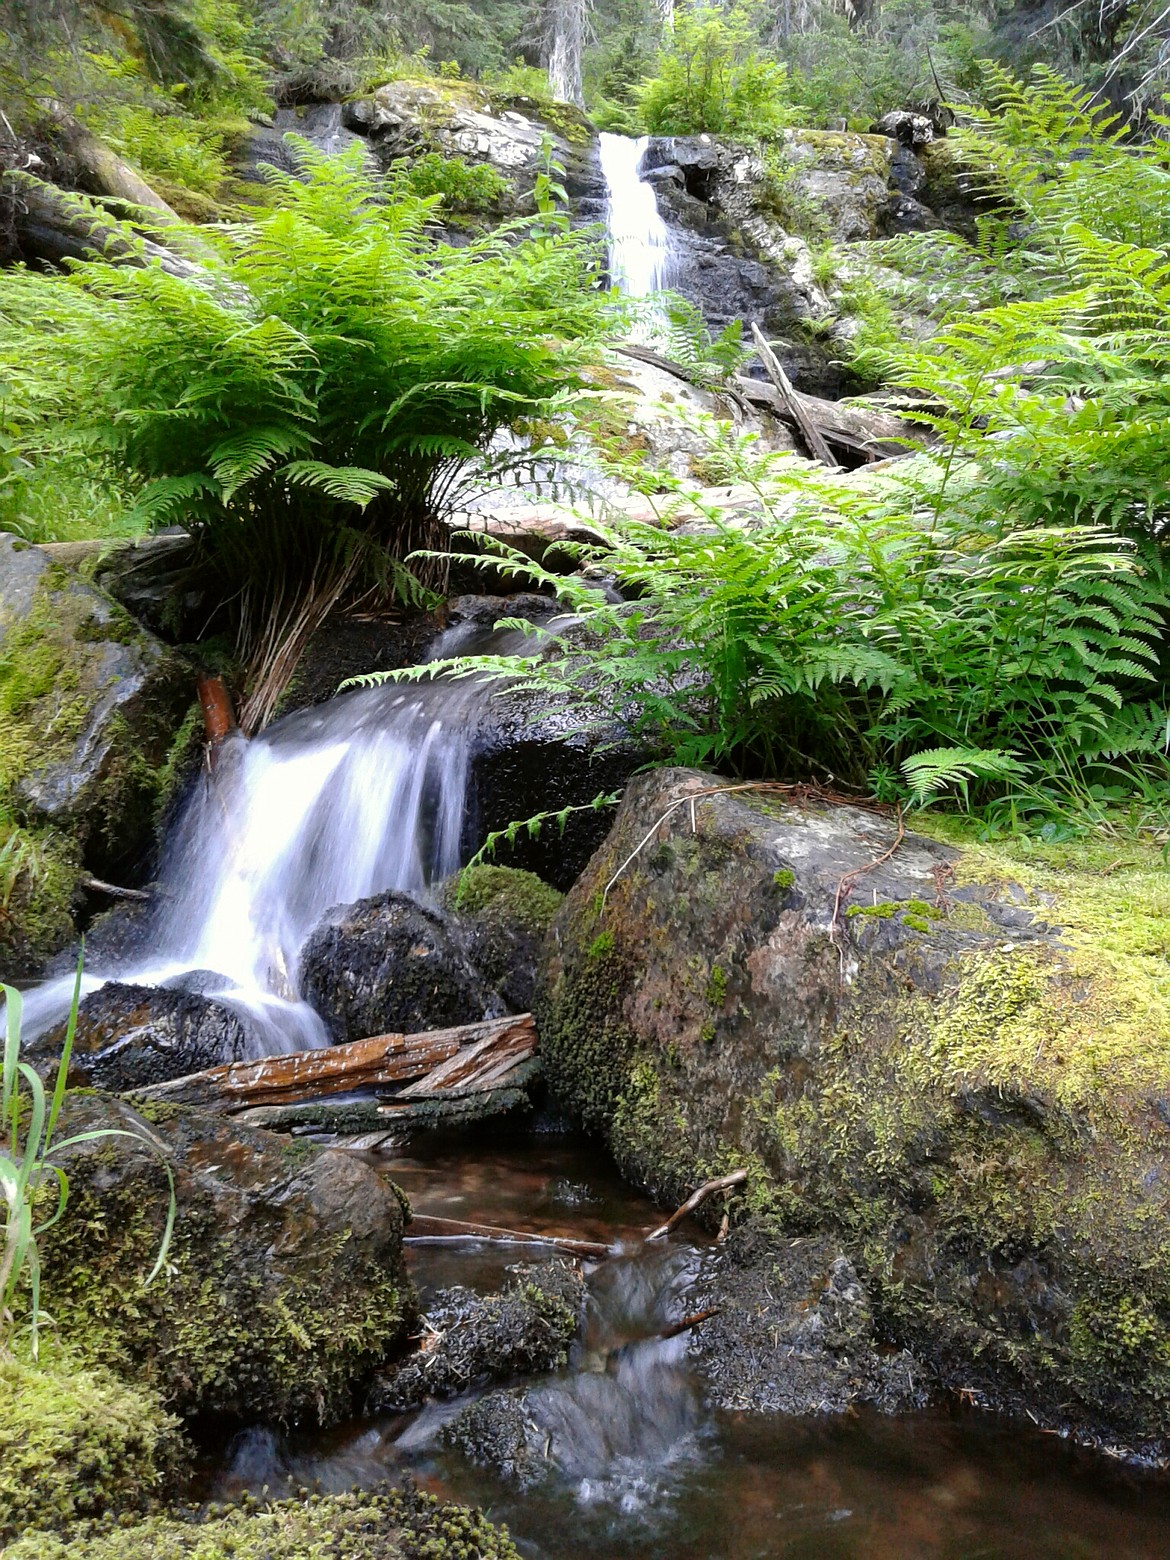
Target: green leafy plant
[
  {"x": 463, "y": 186},
  {"x": 863, "y": 631},
  {"x": 307, "y": 401},
  {"x": 34, "y": 1189},
  {"x": 713, "y": 77}
]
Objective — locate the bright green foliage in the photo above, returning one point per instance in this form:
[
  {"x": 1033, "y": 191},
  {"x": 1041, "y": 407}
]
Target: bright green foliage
[
  {"x": 870, "y": 633},
  {"x": 463, "y": 186},
  {"x": 306, "y": 404},
  {"x": 713, "y": 77},
  {"x": 75, "y": 1443}
]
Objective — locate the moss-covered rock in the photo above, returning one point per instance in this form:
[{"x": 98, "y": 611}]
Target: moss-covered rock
[
  {"x": 967, "y": 1081},
  {"x": 285, "y": 1287},
  {"x": 379, "y": 1525},
  {"x": 502, "y": 915},
  {"x": 76, "y": 1442},
  {"x": 89, "y": 705}
]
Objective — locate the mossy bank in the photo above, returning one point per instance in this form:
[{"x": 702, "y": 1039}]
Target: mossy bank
[{"x": 957, "y": 1061}]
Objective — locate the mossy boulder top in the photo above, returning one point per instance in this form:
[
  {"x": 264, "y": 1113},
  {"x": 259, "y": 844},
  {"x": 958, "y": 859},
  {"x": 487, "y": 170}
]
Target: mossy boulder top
[
  {"x": 285, "y": 1286},
  {"x": 955, "y": 1060}
]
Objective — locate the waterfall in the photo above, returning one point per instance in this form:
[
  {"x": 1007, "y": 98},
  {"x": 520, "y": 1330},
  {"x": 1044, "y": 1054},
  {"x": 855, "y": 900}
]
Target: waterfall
[
  {"x": 638, "y": 239},
  {"x": 331, "y": 804}
]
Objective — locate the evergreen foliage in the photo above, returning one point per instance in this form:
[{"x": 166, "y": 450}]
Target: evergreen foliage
[{"x": 712, "y": 78}]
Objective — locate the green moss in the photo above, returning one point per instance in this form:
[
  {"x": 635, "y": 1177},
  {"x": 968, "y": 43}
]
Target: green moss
[
  {"x": 522, "y": 897},
  {"x": 378, "y": 1525},
  {"x": 784, "y": 878},
  {"x": 716, "y": 993},
  {"x": 182, "y": 756},
  {"x": 601, "y": 945},
  {"x": 76, "y": 1442}
]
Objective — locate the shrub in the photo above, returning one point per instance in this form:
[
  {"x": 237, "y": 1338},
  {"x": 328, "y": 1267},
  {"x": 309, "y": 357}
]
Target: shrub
[
  {"x": 463, "y": 186},
  {"x": 712, "y": 77}
]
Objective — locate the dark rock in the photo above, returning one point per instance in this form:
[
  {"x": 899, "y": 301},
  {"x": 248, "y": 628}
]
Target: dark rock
[
  {"x": 794, "y": 1333},
  {"x": 131, "y": 1036},
  {"x": 912, "y": 130},
  {"x": 502, "y": 916},
  {"x": 920, "y": 1078},
  {"x": 470, "y": 1339},
  {"x": 285, "y": 1287},
  {"x": 388, "y": 966}
]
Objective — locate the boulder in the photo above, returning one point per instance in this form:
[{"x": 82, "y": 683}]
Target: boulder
[
  {"x": 387, "y": 965},
  {"x": 910, "y": 129},
  {"x": 284, "y": 1288},
  {"x": 89, "y": 706},
  {"x": 949, "y": 1061},
  {"x": 470, "y": 1339},
  {"x": 501, "y": 916},
  {"x": 131, "y": 1036}
]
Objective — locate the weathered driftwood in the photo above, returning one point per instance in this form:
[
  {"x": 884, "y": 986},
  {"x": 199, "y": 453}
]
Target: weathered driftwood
[
  {"x": 426, "y": 1227},
  {"x": 814, "y": 439},
  {"x": 483, "y": 1064},
  {"x": 303, "y": 1077}
]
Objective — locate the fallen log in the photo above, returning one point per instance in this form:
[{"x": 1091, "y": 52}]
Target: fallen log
[
  {"x": 303, "y": 1077},
  {"x": 722, "y": 1183},
  {"x": 481, "y": 1065},
  {"x": 363, "y": 1116},
  {"x": 813, "y": 438},
  {"x": 428, "y": 1228},
  {"x": 219, "y": 718}
]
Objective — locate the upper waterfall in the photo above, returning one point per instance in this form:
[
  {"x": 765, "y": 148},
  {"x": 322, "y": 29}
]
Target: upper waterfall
[{"x": 638, "y": 239}]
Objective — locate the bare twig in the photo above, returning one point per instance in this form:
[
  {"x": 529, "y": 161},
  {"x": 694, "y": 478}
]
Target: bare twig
[
  {"x": 97, "y": 886},
  {"x": 845, "y": 886},
  {"x": 722, "y": 1183}
]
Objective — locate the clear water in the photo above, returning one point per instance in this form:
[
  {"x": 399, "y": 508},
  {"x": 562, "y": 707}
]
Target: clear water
[{"x": 635, "y": 1466}]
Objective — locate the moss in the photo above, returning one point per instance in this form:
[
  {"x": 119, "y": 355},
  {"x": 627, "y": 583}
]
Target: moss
[
  {"x": 523, "y": 898},
  {"x": 176, "y": 769},
  {"x": 76, "y": 1442},
  {"x": 716, "y": 993},
  {"x": 783, "y": 879},
  {"x": 39, "y": 871},
  {"x": 220, "y": 1333},
  {"x": 377, "y": 1525}
]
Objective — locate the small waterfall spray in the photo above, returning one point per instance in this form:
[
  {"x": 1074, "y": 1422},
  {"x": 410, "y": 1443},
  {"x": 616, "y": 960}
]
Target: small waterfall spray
[
  {"x": 639, "y": 244},
  {"x": 331, "y": 804}
]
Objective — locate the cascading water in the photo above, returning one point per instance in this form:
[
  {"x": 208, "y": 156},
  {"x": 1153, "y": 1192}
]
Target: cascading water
[
  {"x": 639, "y": 243},
  {"x": 332, "y": 804}
]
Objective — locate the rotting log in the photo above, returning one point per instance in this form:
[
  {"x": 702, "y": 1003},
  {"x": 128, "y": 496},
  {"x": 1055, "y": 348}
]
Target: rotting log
[
  {"x": 813, "y": 438},
  {"x": 363, "y": 1117},
  {"x": 304, "y": 1077}
]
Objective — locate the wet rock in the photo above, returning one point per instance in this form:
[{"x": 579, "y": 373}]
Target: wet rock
[
  {"x": 912, "y": 130},
  {"x": 470, "y": 1340},
  {"x": 908, "y": 1062},
  {"x": 285, "y": 1287},
  {"x": 502, "y": 916},
  {"x": 90, "y": 704},
  {"x": 387, "y": 965},
  {"x": 795, "y": 1332},
  {"x": 131, "y": 1036}
]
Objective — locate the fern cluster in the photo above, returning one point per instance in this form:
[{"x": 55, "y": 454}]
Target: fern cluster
[
  {"x": 850, "y": 633},
  {"x": 306, "y": 400}
]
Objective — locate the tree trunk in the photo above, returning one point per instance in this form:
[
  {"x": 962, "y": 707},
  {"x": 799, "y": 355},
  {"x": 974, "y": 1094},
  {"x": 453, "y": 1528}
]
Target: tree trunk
[{"x": 567, "y": 26}]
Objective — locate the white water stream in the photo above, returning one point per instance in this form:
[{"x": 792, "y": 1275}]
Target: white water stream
[
  {"x": 332, "y": 804},
  {"x": 639, "y": 243}
]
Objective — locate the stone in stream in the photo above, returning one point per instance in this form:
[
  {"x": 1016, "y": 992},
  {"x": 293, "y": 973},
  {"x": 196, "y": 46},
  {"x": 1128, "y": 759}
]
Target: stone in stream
[
  {"x": 130, "y": 1036},
  {"x": 501, "y": 916},
  {"x": 387, "y": 965},
  {"x": 469, "y": 1340},
  {"x": 285, "y": 1286},
  {"x": 89, "y": 706},
  {"x": 913, "y": 1062}
]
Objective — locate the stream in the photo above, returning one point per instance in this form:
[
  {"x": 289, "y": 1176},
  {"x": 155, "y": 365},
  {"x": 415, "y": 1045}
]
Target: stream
[{"x": 637, "y": 1467}]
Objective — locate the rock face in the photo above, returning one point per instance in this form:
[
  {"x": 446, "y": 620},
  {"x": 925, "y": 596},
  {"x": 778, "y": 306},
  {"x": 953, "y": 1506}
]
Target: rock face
[
  {"x": 473, "y": 1339},
  {"x": 89, "y": 706},
  {"x": 406, "y": 119},
  {"x": 387, "y": 965},
  {"x": 131, "y": 1036},
  {"x": 286, "y": 1287},
  {"x": 501, "y": 916},
  {"x": 964, "y": 1095}
]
